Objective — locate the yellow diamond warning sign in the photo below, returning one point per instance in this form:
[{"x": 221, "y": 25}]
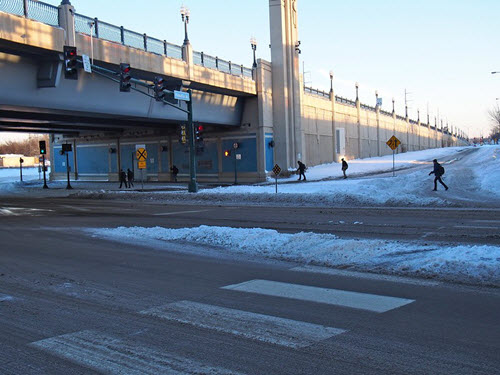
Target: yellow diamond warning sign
[{"x": 393, "y": 142}]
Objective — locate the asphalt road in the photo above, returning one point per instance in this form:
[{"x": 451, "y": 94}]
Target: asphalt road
[{"x": 75, "y": 304}]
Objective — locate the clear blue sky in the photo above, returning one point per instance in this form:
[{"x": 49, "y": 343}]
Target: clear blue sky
[{"x": 441, "y": 51}]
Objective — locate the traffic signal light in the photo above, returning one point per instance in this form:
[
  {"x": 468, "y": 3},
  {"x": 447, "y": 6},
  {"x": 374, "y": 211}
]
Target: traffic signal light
[
  {"x": 43, "y": 149},
  {"x": 198, "y": 133},
  {"x": 182, "y": 134},
  {"x": 70, "y": 70},
  {"x": 158, "y": 88},
  {"x": 227, "y": 153},
  {"x": 125, "y": 77}
]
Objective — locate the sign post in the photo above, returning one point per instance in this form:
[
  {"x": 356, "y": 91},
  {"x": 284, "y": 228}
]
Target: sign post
[
  {"x": 66, "y": 148},
  {"x": 277, "y": 171},
  {"x": 235, "y": 146},
  {"x": 393, "y": 143},
  {"x": 141, "y": 154},
  {"x": 21, "y": 161}
]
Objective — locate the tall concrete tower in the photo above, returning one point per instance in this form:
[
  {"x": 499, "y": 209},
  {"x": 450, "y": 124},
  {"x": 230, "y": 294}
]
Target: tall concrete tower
[{"x": 288, "y": 133}]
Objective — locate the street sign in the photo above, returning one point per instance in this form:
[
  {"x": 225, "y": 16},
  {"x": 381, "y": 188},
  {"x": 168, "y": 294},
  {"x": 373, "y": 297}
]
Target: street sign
[
  {"x": 181, "y": 95},
  {"x": 393, "y": 142},
  {"x": 141, "y": 154},
  {"x": 86, "y": 64},
  {"x": 276, "y": 169},
  {"x": 141, "y": 164},
  {"x": 379, "y": 102}
]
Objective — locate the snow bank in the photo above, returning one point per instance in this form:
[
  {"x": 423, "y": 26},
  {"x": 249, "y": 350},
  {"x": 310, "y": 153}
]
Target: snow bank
[{"x": 464, "y": 264}]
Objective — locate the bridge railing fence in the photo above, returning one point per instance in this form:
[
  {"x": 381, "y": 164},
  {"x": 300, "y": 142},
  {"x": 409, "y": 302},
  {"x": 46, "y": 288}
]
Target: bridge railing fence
[
  {"x": 35, "y": 10},
  {"x": 49, "y": 14}
]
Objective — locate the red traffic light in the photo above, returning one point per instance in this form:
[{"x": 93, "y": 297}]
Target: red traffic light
[{"x": 200, "y": 128}]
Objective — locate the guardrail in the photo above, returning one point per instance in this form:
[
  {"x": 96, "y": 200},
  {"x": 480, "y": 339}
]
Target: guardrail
[
  {"x": 342, "y": 100},
  {"x": 317, "y": 92},
  {"x": 49, "y": 14}
]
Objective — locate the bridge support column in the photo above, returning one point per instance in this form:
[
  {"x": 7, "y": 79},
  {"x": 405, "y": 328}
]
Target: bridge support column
[
  {"x": 67, "y": 22},
  {"x": 286, "y": 86}
]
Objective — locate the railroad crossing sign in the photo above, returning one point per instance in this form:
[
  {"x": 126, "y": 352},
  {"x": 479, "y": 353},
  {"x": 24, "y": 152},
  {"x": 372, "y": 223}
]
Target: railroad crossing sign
[
  {"x": 393, "y": 143},
  {"x": 141, "y": 154},
  {"x": 276, "y": 169}
]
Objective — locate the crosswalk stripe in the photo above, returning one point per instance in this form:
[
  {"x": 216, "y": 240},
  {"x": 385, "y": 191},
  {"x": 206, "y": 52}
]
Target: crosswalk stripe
[
  {"x": 111, "y": 355},
  {"x": 364, "y": 275},
  {"x": 266, "y": 328},
  {"x": 363, "y": 301}
]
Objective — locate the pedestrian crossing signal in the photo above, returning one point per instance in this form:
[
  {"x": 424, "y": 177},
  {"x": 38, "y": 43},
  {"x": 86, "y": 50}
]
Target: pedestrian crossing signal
[{"x": 227, "y": 153}]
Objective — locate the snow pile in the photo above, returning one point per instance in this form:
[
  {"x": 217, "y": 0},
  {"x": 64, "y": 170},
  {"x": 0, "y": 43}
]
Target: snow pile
[{"x": 466, "y": 264}]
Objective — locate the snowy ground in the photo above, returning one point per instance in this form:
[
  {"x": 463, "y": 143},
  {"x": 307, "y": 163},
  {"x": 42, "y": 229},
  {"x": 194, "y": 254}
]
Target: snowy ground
[
  {"x": 472, "y": 173},
  {"x": 478, "y": 265}
]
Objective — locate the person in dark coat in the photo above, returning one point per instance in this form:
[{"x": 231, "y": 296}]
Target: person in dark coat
[
  {"x": 344, "y": 167},
  {"x": 123, "y": 178},
  {"x": 301, "y": 170},
  {"x": 438, "y": 172},
  {"x": 130, "y": 177},
  {"x": 175, "y": 171}
]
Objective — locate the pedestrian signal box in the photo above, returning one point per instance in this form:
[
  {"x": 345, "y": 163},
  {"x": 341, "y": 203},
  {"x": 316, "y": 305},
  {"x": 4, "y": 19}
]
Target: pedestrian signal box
[{"x": 227, "y": 153}]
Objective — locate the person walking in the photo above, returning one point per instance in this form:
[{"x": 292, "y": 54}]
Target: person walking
[
  {"x": 438, "y": 172},
  {"x": 123, "y": 178},
  {"x": 301, "y": 170},
  {"x": 344, "y": 167},
  {"x": 130, "y": 177},
  {"x": 175, "y": 171}
]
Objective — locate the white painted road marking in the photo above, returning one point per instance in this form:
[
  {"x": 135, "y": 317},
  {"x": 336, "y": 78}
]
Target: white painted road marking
[
  {"x": 266, "y": 328},
  {"x": 474, "y": 227},
  {"x": 364, "y": 275},
  {"x": 5, "y": 297},
  {"x": 180, "y": 212},
  {"x": 112, "y": 355},
  {"x": 363, "y": 301}
]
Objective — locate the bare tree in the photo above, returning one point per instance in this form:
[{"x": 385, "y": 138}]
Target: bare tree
[
  {"x": 27, "y": 147},
  {"x": 494, "y": 115}
]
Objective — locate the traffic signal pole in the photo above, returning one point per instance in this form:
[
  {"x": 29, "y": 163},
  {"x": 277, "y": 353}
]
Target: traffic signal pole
[
  {"x": 193, "y": 185},
  {"x": 44, "y": 178}
]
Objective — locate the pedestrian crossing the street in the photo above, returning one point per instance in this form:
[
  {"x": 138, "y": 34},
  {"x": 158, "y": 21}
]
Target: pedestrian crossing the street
[{"x": 118, "y": 355}]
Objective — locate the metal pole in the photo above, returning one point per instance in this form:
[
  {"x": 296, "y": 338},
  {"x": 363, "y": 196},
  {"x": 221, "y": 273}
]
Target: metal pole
[
  {"x": 393, "y": 165},
  {"x": 193, "y": 186},
  {"x": 142, "y": 179},
  {"x": 235, "y": 170},
  {"x": 276, "y": 180},
  {"x": 21, "y": 168},
  {"x": 44, "y": 178},
  {"x": 67, "y": 170}
]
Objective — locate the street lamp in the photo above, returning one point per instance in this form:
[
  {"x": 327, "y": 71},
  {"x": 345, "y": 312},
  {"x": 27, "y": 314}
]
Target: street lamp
[
  {"x": 331, "y": 80},
  {"x": 185, "y": 18},
  {"x": 392, "y": 105},
  {"x": 357, "y": 87},
  {"x": 253, "y": 43}
]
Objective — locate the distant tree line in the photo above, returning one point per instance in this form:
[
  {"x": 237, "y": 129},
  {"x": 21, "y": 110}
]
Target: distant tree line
[
  {"x": 494, "y": 115},
  {"x": 26, "y": 147}
]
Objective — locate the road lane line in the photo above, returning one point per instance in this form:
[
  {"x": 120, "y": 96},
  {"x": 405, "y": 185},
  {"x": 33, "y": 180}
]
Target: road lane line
[
  {"x": 180, "y": 212},
  {"x": 474, "y": 227},
  {"x": 363, "y": 301},
  {"x": 111, "y": 355},
  {"x": 266, "y": 328}
]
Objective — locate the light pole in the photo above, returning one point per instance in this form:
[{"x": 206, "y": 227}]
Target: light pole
[
  {"x": 185, "y": 18},
  {"x": 253, "y": 43},
  {"x": 357, "y": 87},
  {"x": 392, "y": 105},
  {"x": 331, "y": 81},
  {"x": 376, "y": 99}
]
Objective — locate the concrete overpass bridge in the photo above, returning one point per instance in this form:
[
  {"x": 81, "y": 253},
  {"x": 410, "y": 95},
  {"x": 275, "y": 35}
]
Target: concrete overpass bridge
[{"x": 265, "y": 111}]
